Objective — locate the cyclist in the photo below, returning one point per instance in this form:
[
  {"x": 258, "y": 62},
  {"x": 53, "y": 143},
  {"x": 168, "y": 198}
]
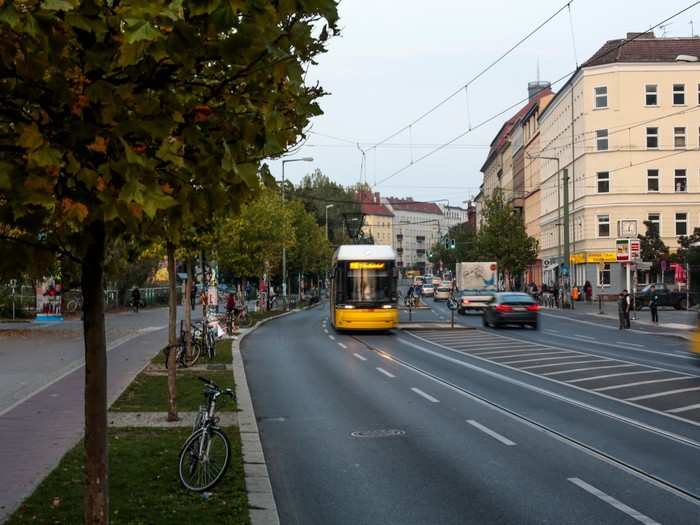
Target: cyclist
[
  {"x": 230, "y": 311},
  {"x": 136, "y": 298}
]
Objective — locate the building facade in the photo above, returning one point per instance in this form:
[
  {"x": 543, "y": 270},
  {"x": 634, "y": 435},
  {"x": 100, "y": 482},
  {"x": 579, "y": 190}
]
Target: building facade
[
  {"x": 416, "y": 228},
  {"x": 626, "y": 132},
  {"x": 378, "y": 219}
]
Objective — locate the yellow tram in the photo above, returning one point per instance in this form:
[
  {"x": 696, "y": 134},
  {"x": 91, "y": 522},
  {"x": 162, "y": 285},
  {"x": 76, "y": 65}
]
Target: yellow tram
[{"x": 364, "y": 288}]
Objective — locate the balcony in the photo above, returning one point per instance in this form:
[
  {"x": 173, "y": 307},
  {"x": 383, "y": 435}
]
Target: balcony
[
  {"x": 399, "y": 250},
  {"x": 420, "y": 253},
  {"x": 399, "y": 237},
  {"x": 420, "y": 239}
]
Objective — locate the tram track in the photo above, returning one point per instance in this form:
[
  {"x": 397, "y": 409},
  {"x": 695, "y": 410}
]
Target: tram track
[{"x": 621, "y": 464}]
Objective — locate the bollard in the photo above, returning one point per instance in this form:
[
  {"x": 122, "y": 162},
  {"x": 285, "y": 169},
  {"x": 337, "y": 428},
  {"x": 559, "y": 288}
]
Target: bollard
[{"x": 453, "y": 318}]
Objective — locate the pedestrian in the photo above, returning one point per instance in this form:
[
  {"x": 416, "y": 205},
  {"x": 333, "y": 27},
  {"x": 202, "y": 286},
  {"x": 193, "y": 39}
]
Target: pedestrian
[
  {"x": 588, "y": 291},
  {"x": 654, "y": 304},
  {"x": 555, "y": 293},
  {"x": 621, "y": 305},
  {"x": 135, "y": 299}
]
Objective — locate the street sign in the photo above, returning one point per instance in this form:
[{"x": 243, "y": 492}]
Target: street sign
[
  {"x": 635, "y": 250},
  {"x": 622, "y": 250},
  {"x": 564, "y": 269}
]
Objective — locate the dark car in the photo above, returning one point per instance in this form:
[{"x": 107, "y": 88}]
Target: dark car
[
  {"x": 511, "y": 308},
  {"x": 667, "y": 297}
]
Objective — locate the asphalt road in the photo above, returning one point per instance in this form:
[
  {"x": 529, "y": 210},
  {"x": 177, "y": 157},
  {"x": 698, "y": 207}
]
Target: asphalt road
[{"x": 477, "y": 426}]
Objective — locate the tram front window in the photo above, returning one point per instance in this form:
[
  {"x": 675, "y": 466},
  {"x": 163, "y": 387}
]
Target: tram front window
[{"x": 369, "y": 286}]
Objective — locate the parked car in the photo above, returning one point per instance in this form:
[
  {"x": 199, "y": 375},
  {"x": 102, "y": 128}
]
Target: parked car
[
  {"x": 667, "y": 297},
  {"x": 512, "y": 308},
  {"x": 436, "y": 280},
  {"x": 442, "y": 293},
  {"x": 473, "y": 300},
  {"x": 428, "y": 289}
]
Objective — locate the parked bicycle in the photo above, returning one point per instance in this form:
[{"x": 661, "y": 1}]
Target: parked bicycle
[
  {"x": 206, "y": 454},
  {"x": 238, "y": 317}
]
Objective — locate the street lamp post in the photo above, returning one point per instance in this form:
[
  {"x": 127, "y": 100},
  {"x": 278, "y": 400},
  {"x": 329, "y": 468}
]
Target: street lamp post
[
  {"x": 327, "y": 207},
  {"x": 284, "y": 246}
]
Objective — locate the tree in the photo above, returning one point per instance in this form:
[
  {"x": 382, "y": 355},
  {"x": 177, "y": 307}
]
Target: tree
[
  {"x": 311, "y": 251},
  {"x": 652, "y": 248},
  {"x": 141, "y": 117},
  {"x": 502, "y": 237},
  {"x": 465, "y": 247}
]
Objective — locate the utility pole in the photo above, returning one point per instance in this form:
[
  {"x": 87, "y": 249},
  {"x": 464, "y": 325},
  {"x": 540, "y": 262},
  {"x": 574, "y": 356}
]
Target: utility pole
[
  {"x": 573, "y": 191},
  {"x": 327, "y": 208},
  {"x": 284, "y": 246},
  {"x": 567, "y": 248}
]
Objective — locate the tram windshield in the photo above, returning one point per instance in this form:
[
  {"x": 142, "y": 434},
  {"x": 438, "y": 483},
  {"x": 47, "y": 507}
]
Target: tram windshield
[{"x": 367, "y": 283}]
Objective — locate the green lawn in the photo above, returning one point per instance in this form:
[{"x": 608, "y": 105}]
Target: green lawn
[
  {"x": 144, "y": 485},
  {"x": 149, "y": 393}
]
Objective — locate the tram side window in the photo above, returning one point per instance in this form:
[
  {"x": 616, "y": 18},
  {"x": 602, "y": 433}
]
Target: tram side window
[{"x": 339, "y": 284}]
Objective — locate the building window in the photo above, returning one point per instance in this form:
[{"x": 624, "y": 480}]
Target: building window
[
  {"x": 652, "y": 180},
  {"x": 681, "y": 224},
  {"x": 655, "y": 220},
  {"x": 601, "y": 138},
  {"x": 678, "y": 94},
  {"x": 603, "y": 225},
  {"x": 650, "y": 95},
  {"x": 679, "y": 137},
  {"x": 698, "y": 93},
  {"x": 604, "y": 275},
  {"x": 603, "y": 182},
  {"x": 601, "y": 97},
  {"x": 652, "y": 137},
  {"x": 680, "y": 181}
]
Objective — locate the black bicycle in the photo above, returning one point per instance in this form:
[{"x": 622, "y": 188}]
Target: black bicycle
[{"x": 206, "y": 454}]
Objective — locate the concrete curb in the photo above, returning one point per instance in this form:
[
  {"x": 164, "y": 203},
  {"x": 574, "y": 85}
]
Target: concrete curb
[{"x": 261, "y": 500}]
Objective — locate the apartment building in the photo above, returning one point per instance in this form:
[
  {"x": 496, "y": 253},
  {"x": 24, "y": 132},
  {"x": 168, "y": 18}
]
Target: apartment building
[
  {"x": 626, "y": 128},
  {"x": 452, "y": 216},
  {"x": 378, "y": 219},
  {"x": 416, "y": 228}
]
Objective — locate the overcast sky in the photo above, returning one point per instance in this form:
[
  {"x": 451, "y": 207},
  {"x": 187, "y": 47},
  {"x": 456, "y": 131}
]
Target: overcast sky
[{"x": 395, "y": 59}]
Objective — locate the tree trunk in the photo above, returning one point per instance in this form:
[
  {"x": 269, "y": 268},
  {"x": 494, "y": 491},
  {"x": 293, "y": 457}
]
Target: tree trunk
[
  {"x": 172, "y": 335},
  {"x": 96, "y": 469},
  {"x": 187, "y": 309}
]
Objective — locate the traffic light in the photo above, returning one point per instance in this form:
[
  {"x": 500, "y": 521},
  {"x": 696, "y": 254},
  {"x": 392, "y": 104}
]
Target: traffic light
[
  {"x": 447, "y": 243},
  {"x": 452, "y": 244}
]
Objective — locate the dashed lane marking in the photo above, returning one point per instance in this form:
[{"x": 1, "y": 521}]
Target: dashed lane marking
[
  {"x": 639, "y": 383},
  {"x": 680, "y": 410},
  {"x": 360, "y": 357},
  {"x": 663, "y": 394},
  {"x": 635, "y": 514},
  {"x": 493, "y": 434},
  {"x": 426, "y": 396},
  {"x": 382, "y": 371},
  {"x": 341, "y": 345},
  {"x": 332, "y": 338}
]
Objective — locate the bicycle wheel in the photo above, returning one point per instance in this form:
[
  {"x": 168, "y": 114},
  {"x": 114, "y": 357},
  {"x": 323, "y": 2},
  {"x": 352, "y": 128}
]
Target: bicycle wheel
[
  {"x": 196, "y": 350},
  {"x": 204, "y": 458}
]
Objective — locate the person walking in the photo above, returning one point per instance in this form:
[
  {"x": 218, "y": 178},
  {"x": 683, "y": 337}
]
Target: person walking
[
  {"x": 654, "y": 304},
  {"x": 136, "y": 299},
  {"x": 621, "y": 305},
  {"x": 588, "y": 291},
  {"x": 628, "y": 308}
]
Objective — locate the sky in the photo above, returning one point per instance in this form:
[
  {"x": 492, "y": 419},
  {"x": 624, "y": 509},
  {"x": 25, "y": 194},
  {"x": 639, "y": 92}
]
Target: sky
[{"x": 396, "y": 59}]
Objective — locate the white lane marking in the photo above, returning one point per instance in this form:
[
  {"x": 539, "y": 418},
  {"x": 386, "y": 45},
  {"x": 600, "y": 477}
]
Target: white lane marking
[
  {"x": 567, "y": 363},
  {"x": 332, "y": 338},
  {"x": 525, "y": 350},
  {"x": 536, "y": 358},
  {"x": 360, "y": 357},
  {"x": 494, "y": 435},
  {"x": 663, "y": 394},
  {"x": 638, "y": 383},
  {"x": 617, "y": 347},
  {"x": 549, "y": 330},
  {"x": 81, "y": 363},
  {"x": 683, "y": 409},
  {"x": 581, "y": 336},
  {"x": 585, "y": 369},
  {"x": 615, "y": 375},
  {"x": 539, "y": 359},
  {"x": 426, "y": 396},
  {"x": 625, "y": 343},
  {"x": 325, "y": 330},
  {"x": 341, "y": 345},
  {"x": 382, "y": 371},
  {"x": 635, "y": 514},
  {"x": 553, "y": 395}
]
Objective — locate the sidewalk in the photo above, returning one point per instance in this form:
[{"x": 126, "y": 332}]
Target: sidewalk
[{"x": 674, "y": 322}]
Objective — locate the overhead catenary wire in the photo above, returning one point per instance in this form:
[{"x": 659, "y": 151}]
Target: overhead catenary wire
[{"x": 512, "y": 106}]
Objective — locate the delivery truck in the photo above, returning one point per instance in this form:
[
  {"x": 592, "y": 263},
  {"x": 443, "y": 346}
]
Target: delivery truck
[{"x": 476, "y": 284}]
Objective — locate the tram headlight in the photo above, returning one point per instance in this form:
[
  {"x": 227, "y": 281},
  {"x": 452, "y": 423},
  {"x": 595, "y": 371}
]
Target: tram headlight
[{"x": 388, "y": 306}]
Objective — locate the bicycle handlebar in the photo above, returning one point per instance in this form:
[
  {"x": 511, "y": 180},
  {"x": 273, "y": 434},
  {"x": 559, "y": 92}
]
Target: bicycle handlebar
[{"x": 213, "y": 385}]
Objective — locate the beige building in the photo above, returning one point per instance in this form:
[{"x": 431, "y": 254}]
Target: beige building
[
  {"x": 632, "y": 156},
  {"x": 378, "y": 219}
]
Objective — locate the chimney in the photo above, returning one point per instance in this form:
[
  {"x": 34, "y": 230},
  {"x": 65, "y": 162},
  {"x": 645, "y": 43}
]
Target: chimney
[
  {"x": 637, "y": 36},
  {"x": 533, "y": 88}
]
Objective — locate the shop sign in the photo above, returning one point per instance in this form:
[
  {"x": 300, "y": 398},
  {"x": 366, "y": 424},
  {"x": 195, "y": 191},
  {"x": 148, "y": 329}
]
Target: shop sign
[
  {"x": 622, "y": 250},
  {"x": 577, "y": 258},
  {"x": 635, "y": 250},
  {"x": 602, "y": 257}
]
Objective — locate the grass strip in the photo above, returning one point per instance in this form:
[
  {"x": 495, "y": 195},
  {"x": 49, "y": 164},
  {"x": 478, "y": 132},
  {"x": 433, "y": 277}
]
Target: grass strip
[
  {"x": 149, "y": 393},
  {"x": 221, "y": 355},
  {"x": 144, "y": 485}
]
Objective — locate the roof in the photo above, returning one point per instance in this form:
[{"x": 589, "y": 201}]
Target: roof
[
  {"x": 500, "y": 139},
  {"x": 364, "y": 252},
  {"x": 644, "y": 48},
  {"x": 370, "y": 204},
  {"x": 409, "y": 204}
]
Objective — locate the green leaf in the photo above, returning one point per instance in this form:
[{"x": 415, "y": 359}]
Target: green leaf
[
  {"x": 169, "y": 151},
  {"x": 139, "y": 29},
  {"x": 227, "y": 162},
  {"x": 60, "y": 5},
  {"x": 30, "y": 137},
  {"x": 249, "y": 174},
  {"x": 155, "y": 201},
  {"x": 46, "y": 156},
  {"x": 10, "y": 16}
]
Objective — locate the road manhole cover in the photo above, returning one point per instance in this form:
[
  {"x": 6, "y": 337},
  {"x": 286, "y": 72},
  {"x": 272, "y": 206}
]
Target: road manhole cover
[{"x": 382, "y": 433}]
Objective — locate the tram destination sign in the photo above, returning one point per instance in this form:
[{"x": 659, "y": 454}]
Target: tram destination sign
[{"x": 365, "y": 265}]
